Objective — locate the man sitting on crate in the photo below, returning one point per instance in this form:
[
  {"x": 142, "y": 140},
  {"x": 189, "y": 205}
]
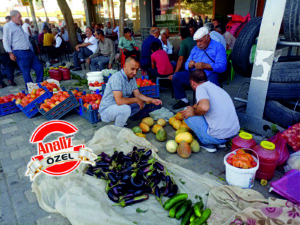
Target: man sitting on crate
[
  {"x": 213, "y": 118},
  {"x": 122, "y": 98}
]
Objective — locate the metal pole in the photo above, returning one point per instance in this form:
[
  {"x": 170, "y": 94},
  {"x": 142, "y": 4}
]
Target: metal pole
[{"x": 266, "y": 45}]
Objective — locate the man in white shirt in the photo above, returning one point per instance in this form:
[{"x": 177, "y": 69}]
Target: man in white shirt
[
  {"x": 26, "y": 27},
  {"x": 215, "y": 35},
  {"x": 166, "y": 44},
  {"x": 84, "y": 50},
  {"x": 213, "y": 118}
]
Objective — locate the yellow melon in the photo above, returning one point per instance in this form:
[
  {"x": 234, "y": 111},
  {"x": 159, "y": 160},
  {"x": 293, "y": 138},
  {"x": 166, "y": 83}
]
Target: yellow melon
[
  {"x": 155, "y": 128},
  {"x": 177, "y": 124},
  {"x": 140, "y": 135},
  {"x": 179, "y": 116},
  {"x": 149, "y": 121},
  {"x": 161, "y": 122},
  {"x": 185, "y": 136},
  {"x": 145, "y": 128},
  {"x": 172, "y": 120}
]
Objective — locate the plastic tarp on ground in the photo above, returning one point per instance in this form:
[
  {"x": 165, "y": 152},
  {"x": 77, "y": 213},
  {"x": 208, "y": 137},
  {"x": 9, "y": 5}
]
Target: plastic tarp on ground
[{"x": 82, "y": 198}]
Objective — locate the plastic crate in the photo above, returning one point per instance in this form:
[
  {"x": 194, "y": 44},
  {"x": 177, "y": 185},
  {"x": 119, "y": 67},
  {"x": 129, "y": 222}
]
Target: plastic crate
[
  {"x": 61, "y": 109},
  {"x": 31, "y": 110},
  {"x": 91, "y": 115},
  {"x": 8, "y": 108},
  {"x": 145, "y": 111},
  {"x": 151, "y": 91}
]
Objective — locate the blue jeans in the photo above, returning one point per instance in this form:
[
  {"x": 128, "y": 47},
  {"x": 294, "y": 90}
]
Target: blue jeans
[
  {"x": 8, "y": 66},
  {"x": 181, "y": 80},
  {"x": 199, "y": 125},
  {"x": 82, "y": 54},
  {"x": 134, "y": 108},
  {"x": 26, "y": 60},
  {"x": 100, "y": 61}
]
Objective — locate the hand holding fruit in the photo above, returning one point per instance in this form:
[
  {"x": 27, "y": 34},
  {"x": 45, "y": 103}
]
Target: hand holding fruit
[
  {"x": 140, "y": 103},
  {"x": 188, "y": 112}
]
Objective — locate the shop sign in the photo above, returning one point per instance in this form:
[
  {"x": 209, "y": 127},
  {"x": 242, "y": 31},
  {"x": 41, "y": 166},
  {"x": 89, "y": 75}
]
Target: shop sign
[{"x": 57, "y": 157}]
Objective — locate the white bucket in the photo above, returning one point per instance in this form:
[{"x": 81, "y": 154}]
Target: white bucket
[
  {"x": 94, "y": 76},
  {"x": 243, "y": 178}
]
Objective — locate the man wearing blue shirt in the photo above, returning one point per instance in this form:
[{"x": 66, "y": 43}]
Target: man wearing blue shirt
[
  {"x": 209, "y": 56},
  {"x": 146, "y": 50}
]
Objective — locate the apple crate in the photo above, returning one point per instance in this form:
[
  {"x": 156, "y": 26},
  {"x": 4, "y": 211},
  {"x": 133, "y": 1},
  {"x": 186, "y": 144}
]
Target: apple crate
[
  {"x": 151, "y": 91},
  {"x": 145, "y": 111},
  {"x": 31, "y": 110},
  {"x": 61, "y": 109},
  {"x": 90, "y": 114},
  {"x": 8, "y": 108}
]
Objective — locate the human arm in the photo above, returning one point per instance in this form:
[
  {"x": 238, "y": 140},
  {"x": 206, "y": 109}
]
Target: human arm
[
  {"x": 95, "y": 54},
  {"x": 7, "y": 42},
  {"x": 170, "y": 47},
  {"x": 220, "y": 64},
  {"x": 189, "y": 65},
  {"x": 152, "y": 62},
  {"x": 112, "y": 53},
  {"x": 29, "y": 31},
  {"x": 179, "y": 64},
  {"x": 199, "y": 109},
  {"x": 142, "y": 98},
  {"x": 121, "y": 43}
]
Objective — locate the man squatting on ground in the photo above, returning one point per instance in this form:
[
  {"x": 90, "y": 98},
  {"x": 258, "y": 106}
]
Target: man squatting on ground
[
  {"x": 122, "y": 97},
  {"x": 213, "y": 118}
]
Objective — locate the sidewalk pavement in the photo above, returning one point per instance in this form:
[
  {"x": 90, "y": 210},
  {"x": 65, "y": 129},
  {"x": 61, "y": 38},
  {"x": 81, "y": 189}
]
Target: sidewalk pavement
[{"x": 18, "y": 205}]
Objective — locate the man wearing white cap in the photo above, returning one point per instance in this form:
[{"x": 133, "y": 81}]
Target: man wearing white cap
[{"x": 207, "y": 55}]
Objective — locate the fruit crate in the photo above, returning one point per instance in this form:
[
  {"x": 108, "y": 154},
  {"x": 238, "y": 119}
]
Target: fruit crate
[
  {"x": 145, "y": 111},
  {"x": 31, "y": 110},
  {"x": 91, "y": 115},
  {"x": 151, "y": 91},
  {"x": 61, "y": 109},
  {"x": 8, "y": 108}
]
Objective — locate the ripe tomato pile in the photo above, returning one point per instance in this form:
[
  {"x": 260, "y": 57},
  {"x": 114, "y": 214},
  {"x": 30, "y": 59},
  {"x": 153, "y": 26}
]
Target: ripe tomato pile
[
  {"x": 241, "y": 159},
  {"x": 11, "y": 97},
  {"x": 292, "y": 136},
  {"x": 96, "y": 84},
  {"x": 25, "y": 100},
  {"x": 88, "y": 99},
  {"x": 144, "y": 83},
  {"x": 50, "y": 86},
  {"x": 57, "y": 98}
]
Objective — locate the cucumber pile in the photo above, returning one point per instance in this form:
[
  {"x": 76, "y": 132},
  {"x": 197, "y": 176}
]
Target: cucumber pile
[{"x": 180, "y": 207}]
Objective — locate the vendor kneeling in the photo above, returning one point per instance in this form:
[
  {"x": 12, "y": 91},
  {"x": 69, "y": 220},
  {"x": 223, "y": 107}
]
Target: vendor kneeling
[
  {"x": 122, "y": 97},
  {"x": 213, "y": 118}
]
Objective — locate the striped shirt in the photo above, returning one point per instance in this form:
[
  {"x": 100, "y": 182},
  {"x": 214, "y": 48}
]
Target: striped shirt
[
  {"x": 14, "y": 37},
  {"x": 118, "y": 82}
]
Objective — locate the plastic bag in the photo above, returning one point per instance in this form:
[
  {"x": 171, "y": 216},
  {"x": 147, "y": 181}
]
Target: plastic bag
[
  {"x": 31, "y": 86},
  {"x": 237, "y": 22},
  {"x": 281, "y": 148},
  {"x": 161, "y": 113},
  {"x": 293, "y": 162},
  {"x": 292, "y": 136},
  {"x": 288, "y": 186}
]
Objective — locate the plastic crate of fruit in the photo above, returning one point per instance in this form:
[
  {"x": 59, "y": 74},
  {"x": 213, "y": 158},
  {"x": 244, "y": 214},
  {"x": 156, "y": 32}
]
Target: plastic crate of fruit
[
  {"x": 61, "y": 106},
  {"x": 28, "y": 104},
  {"x": 146, "y": 87},
  {"x": 8, "y": 105},
  {"x": 90, "y": 114},
  {"x": 145, "y": 111}
]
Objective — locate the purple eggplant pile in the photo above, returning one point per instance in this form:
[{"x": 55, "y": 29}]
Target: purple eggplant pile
[{"x": 132, "y": 177}]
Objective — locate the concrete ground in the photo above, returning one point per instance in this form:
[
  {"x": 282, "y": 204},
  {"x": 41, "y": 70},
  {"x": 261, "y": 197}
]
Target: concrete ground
[{"x": 18, "y": 205}]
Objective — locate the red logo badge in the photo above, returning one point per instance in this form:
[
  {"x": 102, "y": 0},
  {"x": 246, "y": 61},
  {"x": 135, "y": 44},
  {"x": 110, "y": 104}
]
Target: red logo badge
[{"x": 58, "y": 157}]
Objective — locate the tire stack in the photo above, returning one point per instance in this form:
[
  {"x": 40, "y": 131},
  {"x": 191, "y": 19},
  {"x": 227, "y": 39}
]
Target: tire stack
[{"x": 284, "y": 84}]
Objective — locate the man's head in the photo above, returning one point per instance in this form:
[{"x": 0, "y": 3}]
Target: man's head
[
  {"x": 209, "y": 26},
  {"x": 54, "y": 31},
  {"x": 197, "y": 77},
  {"x": 184, "y": 33},
  {"x": 62, "y": 30},
  {"x": 219, "y": 29},
  {"x": 96, "y": 27},
  {"x": 192, "y": 30},
  {"x": 8, "y": 19},
  {"x": 131, "y": 67},
  {"x": 88, "y": 32},
  {"x": 99, "y": 34},
  {"x": 16, "y": 17},
  {"x": 127, "y": 32},
  {"x": 165, "y": 31},
  {"x": 101, "y": 26},
  {"x": 52, "y": 26},
  {"x": 45, "y": 30},
  {"x": 154, "y": 31},
  {"x": 215, "y": 22},
  {"x": 27, "y": 21},
  {"x": 202, "y": 38},
  {"x": 108, "y": 25}
]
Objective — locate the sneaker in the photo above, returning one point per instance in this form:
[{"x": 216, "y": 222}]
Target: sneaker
[
  {"x": 11, "y": 83},
  {"x": 209, "y": 148},
  {"x": 221, "y": 146},
  {"x": 3, "y": 85},
  {"x": 180, "y": 104},
  {"x": 53, "y": 61}
]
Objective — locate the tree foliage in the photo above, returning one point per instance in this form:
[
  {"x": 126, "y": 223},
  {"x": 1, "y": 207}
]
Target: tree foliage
[{"x": 198, "y": 6}]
